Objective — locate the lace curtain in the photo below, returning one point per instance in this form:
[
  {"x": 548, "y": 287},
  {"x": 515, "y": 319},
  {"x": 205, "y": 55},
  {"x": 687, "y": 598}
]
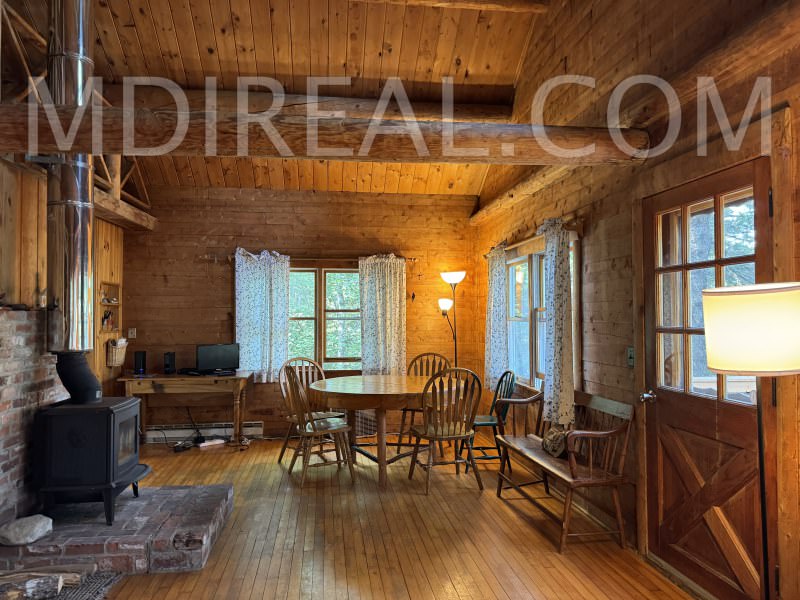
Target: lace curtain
[
  {"x": 383, "y": 314},
  {"x": 559, "y": 387},
  {"x": 496, "y": 343},
  {"x": 262, "y": 312}
]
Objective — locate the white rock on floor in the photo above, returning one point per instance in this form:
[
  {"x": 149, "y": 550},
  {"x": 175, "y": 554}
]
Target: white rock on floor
[{"x": 26, "y": 530}]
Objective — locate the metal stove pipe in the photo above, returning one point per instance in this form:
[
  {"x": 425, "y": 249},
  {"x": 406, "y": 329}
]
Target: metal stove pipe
[{"x": 70, "y": 211}]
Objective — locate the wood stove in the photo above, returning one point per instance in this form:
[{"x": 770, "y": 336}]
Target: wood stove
[{"x": 88, "y": 452}]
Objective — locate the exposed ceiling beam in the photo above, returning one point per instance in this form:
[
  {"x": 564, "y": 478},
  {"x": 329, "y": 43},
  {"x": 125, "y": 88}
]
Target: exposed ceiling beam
[
  {"x": 517, "y": 6},
  {"x": 119, "y": 212},
  {"x": 502, "y": 143},
  {"x": 155, "y": 98},
  {"x": 753, "y": 48}
]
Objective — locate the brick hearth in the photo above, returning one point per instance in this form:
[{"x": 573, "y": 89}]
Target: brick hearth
[{"x": 166, "y": 529}]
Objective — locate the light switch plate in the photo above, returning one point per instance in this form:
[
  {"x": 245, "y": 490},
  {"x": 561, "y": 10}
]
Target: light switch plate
[
  {"x": 631, "y": 356},
  {"x": 131, "y": 333}
]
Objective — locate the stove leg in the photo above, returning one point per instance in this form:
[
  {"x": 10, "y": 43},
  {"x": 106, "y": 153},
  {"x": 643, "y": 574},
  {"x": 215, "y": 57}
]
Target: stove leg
[
  {"x": 108, "y": 505},
  {"x": 135, "y": 488}
]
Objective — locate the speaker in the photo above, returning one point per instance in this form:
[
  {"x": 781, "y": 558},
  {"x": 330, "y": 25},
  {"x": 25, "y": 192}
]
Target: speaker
[
  {"x": 139, "y": 362},
  {"x": 169, "y": 363}
]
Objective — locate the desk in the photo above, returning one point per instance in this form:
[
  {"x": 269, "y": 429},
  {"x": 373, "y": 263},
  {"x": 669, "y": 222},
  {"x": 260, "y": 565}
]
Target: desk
[
  {"x": 372, "y": 392},
  {"x": 234, "y": 385}
]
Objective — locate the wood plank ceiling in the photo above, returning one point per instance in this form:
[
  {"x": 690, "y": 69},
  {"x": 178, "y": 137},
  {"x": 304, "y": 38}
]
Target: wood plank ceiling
[{"x": 189, "y": 40}]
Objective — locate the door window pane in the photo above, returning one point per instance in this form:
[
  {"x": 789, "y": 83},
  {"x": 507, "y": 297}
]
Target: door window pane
[
  {"x": 670, "y": 360},
  {"x": 742, "y": 274},
  {"x": 699, "y": 280},
  {"x": 342, "y": 335},
  {"x": 669, "y": 235},
  {"x": 519, "y": 290},
  {"x": 342, "y": 291},
  {"x": 738, "y": 388},
  {"x": 519, "y": 349},
  {"x": 670, "y": 286},
  {"x": 701, "y": 231},
  {"x": 702, "y": 380},
  {"x": 739, "y": 224},
  {"x": 301, "y": 338}
]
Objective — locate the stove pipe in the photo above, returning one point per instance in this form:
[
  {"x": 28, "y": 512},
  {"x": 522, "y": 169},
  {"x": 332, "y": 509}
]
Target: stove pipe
[{"x": 70, "y": 211}]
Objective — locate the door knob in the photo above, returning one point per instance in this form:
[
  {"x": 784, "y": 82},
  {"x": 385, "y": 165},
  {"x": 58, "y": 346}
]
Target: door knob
[{"x": 648, "y": 396}]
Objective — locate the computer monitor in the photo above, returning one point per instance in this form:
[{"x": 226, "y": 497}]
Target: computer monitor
[{"x": 217, "y": 357}]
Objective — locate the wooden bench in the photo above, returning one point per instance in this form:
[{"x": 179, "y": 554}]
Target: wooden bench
[{"x": 596, "y": 450}]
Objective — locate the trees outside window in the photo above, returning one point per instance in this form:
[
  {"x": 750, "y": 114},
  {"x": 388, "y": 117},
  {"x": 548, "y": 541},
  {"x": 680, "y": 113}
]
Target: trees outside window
[{"x": 325, "y": 317}]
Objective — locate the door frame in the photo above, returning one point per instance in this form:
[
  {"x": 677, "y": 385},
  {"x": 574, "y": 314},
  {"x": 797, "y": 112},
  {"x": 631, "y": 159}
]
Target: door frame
[{"x": 671, "y": 173}]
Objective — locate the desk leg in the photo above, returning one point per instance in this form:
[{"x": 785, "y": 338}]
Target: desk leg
[
  {"x": 351, "y": 421},
  {"x": 237, "y": 416},
  {"x": 380, "y": 417}
]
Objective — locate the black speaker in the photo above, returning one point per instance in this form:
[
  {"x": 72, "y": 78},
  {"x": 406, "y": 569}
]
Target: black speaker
[
  {"x": 169, "y": 363},
  {"x": 139, "y": 362}
]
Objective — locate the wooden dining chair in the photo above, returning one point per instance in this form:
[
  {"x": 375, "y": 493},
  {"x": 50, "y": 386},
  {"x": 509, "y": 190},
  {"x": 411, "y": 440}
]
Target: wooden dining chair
[
  {"x": 450, "y": 403},
  {"x": 494, "y": 420},
  {"x": 307, "y": 371},
  {"x": 426, "y": 364},
  {"x": 315, "y": 432}
]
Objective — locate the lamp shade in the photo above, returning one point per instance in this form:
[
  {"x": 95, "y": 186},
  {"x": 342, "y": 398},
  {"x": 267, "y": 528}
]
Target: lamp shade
[
  {"x": 454, "y": 277},
  {"x": 445, "y": 304},
  {"x": 753, "y": 330}
]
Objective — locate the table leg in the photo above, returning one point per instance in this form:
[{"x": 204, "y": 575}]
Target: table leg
[
  {"x": 351, "y": 421},
  {"x": 380, "y": 417}
]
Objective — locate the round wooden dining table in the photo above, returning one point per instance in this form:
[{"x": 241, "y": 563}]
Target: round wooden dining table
[{"x": 371, "y": 392}]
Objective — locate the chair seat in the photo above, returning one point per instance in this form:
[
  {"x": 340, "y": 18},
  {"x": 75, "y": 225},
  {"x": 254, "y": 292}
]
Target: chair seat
[
  {"x": 453, "y": 431},
  {"x": 318, "y": 416},
  {"x": 486, "y": 421},
  {"x": 530, "y": 447},
  {"x": 330, "y": 425}
]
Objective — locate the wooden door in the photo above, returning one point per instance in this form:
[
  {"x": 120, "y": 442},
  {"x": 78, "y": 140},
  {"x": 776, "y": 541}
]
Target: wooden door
[{"x": 704, "y": 518}]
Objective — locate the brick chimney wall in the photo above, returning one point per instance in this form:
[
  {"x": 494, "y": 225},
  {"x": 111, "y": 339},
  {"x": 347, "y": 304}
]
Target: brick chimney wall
[{"x": 28, "y": 380}]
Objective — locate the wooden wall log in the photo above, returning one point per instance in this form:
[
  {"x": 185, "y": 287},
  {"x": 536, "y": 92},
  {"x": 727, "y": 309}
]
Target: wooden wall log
[{"x": 503, "y": 143}]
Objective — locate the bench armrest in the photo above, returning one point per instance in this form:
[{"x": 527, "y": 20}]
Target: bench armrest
[{"x": 573, "y": 437}]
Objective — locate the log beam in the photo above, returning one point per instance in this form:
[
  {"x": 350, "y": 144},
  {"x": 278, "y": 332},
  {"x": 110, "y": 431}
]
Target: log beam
[
  {"x": 500, "y": 143},
  {"x": 117, "y": 211},
  {"x": 516, "y": 6},
  {"x": 297, "y": 105}
]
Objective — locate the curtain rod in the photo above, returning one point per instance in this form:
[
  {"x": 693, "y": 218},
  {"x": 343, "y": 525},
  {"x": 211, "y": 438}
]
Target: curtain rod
[
  {"x": 230, "y": 257},
  {"x": 573, "y": 223}
]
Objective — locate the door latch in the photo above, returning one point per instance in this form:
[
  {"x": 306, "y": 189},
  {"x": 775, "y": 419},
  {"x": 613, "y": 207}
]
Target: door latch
[{"x": 648, "y": 396}]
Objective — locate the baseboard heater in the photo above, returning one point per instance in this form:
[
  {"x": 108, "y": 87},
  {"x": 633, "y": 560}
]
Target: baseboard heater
[{"x": 181, "y": 431}]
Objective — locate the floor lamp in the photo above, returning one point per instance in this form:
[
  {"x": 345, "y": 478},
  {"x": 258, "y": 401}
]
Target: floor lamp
[
  {"x": 445, "y": 304},
  {"x": 753, "y": 330}
]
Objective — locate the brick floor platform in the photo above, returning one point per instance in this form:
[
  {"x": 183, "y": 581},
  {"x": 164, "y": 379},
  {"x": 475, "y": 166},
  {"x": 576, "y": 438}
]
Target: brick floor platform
[{"x": 166, "y": 529}]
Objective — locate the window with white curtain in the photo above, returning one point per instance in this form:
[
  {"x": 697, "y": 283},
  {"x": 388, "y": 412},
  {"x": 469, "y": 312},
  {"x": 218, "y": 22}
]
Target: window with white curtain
[
  {"x": 527, "y": 311},
  {"x": 325, "y": 317}
]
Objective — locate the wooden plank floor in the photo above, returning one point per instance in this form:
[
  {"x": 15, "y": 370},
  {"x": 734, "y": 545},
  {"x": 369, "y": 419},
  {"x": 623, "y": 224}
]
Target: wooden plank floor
[{"x": 342, "y": 541}]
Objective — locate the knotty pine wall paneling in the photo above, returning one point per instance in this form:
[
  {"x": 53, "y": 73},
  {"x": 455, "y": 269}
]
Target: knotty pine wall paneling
[{"x": 177, "y": 295}]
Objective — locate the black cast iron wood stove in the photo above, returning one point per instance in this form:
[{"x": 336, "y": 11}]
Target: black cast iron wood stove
[{"x": 88, "y": 452}]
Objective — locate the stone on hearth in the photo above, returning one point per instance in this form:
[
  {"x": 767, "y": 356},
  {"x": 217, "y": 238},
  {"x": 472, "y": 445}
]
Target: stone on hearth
[{"x": 25, "y": 530}]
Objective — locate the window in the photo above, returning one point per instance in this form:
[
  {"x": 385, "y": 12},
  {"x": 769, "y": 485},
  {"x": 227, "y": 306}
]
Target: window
[
  {"x": 702, "y": 244},
  {"x": 325, "y": 317},
  {"x": 527, "y": 313}
]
